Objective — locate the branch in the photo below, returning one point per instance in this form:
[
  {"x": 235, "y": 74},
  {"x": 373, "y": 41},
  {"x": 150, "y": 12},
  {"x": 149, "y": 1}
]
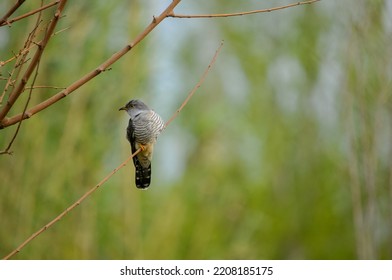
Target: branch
[
  {"x": 19, "y": 88},
  {"x": 87, "y": 194},
  {"x": 11, "y": 11},
  {"x": 173, "y": 15},
  {"x": 21, "y": 59},
  {"x": 70, "y": 208},
  {"x": 5, "y": 122},
  {"x": 21, "y": 52},
  {"x": 50, "y": 87},
  {"x": 8, "y": 84},
  {"x": 25, "y": 50},
  {"x": 8, "y": 22}
]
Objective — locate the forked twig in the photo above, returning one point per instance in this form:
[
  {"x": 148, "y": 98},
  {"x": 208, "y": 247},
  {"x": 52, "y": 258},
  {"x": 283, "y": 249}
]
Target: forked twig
[
  {"x": 26, "y": 50},
  {"x": 11, "y": 11},
  {"x": 87, "y": 194},
  {"x": 29, "y": 41},
  {"x": 8, "y": 22},
  {"x": 7, "y": 150}
]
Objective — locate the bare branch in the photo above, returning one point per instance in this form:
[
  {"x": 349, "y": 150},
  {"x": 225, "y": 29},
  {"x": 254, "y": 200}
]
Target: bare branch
[
  {"x": 21, "y": 59},
  {"x": 5, "y": 122},
  {"x": 173, "y": 15},
  {"x": 38, "y": 87},
  {"x": 16, "y": 55},
  {"x": 8, "y": 84},
  {"x": 29, "y": 41},
  {"x": 27, "y": 49},
  {"x": 70, "y": 208},
  {"x": 7, "y": 150},
  {"x": 8, "y": 22},
  {"x": 33, "y": 64},
  {"x": 11, "y": 11}
]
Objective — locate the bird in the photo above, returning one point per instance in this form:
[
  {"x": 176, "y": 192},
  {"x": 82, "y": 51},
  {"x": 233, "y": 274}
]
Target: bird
[{"x": 142, "y": 132}]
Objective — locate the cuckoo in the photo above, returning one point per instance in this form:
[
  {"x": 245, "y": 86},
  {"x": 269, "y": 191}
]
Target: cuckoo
[{"x": 142, "y": 132}]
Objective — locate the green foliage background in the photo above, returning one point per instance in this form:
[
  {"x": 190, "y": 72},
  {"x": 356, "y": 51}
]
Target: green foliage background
[{"x": 283, "y": 153}]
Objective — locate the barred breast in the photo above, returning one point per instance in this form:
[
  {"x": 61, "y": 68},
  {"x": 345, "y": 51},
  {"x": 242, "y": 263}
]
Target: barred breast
[{"x": 147, "y": 126}]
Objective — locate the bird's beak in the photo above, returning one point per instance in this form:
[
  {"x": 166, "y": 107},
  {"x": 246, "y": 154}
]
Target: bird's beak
[{"x": 122, "y": 108}]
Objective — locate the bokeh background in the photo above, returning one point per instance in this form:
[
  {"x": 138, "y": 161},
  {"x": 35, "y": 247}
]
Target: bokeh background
[{"x": 285, "y": 151}]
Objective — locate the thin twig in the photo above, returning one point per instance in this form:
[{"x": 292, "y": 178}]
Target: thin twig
[
  {"x": 87, "y": 194},
  {"x": 8, "y": 22},
  {"x": 61, "y": 30},
  {"x": 196, "y": 86},
  {"x": 8, "y": 84},
  {"x": 11, "y": 11},
  {"x": 5, "y": 122},
  {"x": 50, "y": 87},
  {"x": 173, "y": 15},
  {"x": 70, "y": 208},
  {"x": 24, "y": 50},
  {"x": 21, "y": 52},
  {"x": 7, "y": 150},
  {"x": 21, "y": 59}
]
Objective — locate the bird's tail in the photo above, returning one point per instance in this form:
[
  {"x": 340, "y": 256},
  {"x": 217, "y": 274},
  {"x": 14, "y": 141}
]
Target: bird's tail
[{"x": 142, "y": 175}]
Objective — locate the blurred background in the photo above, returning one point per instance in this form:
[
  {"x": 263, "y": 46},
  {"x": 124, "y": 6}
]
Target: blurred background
[{"x": 284, "y": 152}]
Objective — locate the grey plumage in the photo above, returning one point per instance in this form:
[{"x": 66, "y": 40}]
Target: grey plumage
[{"x": 142, "y": 132}]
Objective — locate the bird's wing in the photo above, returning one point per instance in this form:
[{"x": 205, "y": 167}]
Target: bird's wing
[
  {"x": 142, "y": 174},
  {"x": 131, "y": 137}
]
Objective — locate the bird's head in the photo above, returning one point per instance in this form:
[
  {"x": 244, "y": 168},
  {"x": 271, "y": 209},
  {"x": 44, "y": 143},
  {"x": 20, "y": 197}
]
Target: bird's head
[{"x": 134, "y": 107}]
